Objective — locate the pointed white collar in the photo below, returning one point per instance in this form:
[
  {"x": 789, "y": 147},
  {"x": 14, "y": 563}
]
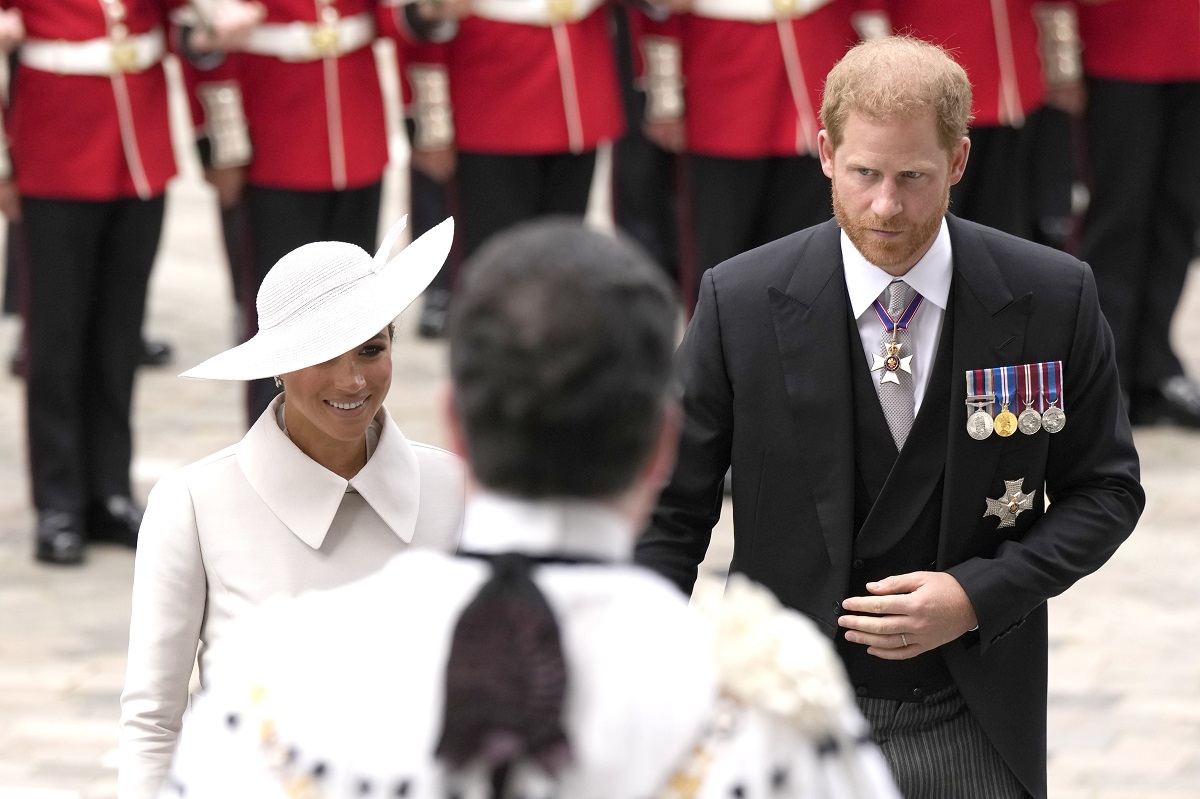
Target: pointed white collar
[{"x": 305, "y": 496}]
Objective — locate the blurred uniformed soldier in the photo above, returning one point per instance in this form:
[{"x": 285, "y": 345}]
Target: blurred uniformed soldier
[
  {"x": 533, "y": 85},
  {"x": 737, "y": 84},
  {"x": 90, "y": 159},
  {"x": 1142, "y": 60}
]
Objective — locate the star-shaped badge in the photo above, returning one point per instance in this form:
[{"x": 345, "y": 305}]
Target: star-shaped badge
[
  {"x": 1011, "y": 505},
  {"x": 891, "y": 363}
]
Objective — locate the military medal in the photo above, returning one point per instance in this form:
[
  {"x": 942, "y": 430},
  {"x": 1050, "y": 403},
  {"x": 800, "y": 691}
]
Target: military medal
[
  {"x": 1030, "y": 421},
  {"x": 1011, "y": 505},
  {"x": 1053, "y": 418},
  {"x": 894, "y": 361},
  {"x": 979, "y": 399},
  {"x": 1006, "y": 421}
]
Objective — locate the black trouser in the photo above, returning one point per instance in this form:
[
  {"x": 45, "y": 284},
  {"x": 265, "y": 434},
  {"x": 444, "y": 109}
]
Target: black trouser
[
  {"x": 644, "y": 193},
  {"x": 1018, "y": 179},
  {"x": 430, "y": 202},
  {"x": 282, "y": 220},
  {"x": 737, "y": 204},
  {"x": 496, "y": 192},
  {"x": 89, "y": 266},
  {"x": 1140, "y": 230}
]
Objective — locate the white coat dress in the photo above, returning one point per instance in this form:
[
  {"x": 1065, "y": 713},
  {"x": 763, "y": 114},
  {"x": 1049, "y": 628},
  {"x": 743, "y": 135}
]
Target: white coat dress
[{"x": 256, "y": 520}]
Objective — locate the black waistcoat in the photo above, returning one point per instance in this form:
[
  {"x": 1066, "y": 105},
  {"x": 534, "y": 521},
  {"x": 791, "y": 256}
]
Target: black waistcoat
[{"x": 897, "y": 513}]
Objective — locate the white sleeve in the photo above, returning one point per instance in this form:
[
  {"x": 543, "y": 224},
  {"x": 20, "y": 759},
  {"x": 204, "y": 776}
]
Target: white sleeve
[{"x": 169, "y": 593}]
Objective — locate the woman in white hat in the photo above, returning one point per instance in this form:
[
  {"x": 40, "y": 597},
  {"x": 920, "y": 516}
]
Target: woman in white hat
[{"x": 322, "y": 490}]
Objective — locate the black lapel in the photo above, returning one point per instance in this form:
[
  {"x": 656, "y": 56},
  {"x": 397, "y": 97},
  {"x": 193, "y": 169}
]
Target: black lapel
[
  {"x": 810, "y": 329},
  {"x": 989, "y": 330}
]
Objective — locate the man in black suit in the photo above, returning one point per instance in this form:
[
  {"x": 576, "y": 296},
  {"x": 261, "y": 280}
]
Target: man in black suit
[{"x": 922, "y": 545}]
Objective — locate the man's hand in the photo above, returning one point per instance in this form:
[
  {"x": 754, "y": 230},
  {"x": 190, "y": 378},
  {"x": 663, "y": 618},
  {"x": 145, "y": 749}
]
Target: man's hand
[
  {"x": 668, "y": 134},
  {"x": 915, "y": 613},
  {"x": 12, "y": 29},
  {"x": 10, "y": 201},
  {"x": 673, "y": 6},
  {"x": 232, "y": 23},
  {"x": 438, "y": 10},
  {"x": 439, "y": 164},
  {"x": 229, "y": 182}
]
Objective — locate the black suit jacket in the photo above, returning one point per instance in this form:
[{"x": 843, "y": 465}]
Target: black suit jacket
[{"x": 766, "y": 368}]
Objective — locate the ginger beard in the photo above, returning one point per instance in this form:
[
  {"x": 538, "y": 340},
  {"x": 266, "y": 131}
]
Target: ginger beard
[{"x": 902, "y": 250}]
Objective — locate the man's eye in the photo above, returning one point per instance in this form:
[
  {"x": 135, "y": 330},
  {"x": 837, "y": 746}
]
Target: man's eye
[{"x": 910, "y": 174}]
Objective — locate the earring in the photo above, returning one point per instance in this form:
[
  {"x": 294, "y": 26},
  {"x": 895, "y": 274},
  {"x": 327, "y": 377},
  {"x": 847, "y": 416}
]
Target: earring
[{"x": 278, "y": 381}]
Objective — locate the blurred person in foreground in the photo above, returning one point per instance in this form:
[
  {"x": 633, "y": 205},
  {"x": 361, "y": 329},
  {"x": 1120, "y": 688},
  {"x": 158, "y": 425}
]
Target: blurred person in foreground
[
  {"x": 878, "y": 491},
  {"x": 541, "y": 662},
  {"x": 322, "y": 490}
]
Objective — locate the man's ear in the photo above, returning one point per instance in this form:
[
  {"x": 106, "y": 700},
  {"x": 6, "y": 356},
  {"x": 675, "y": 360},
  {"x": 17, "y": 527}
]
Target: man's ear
[
  {"x": 452, "y": 422},
  {"x": 958, "y": 159},
  {"x": 825, "y": 151}
]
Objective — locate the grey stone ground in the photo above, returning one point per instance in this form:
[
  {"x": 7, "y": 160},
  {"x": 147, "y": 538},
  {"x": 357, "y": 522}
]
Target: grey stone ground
[{"x": 1125, "y": 643}]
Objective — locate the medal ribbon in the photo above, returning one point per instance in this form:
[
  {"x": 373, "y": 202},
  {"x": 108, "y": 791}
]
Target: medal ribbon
[
  {"x": 890, "y": 324},
  {"x": 1054, "y": 382},
  {"x": 1005, "y": 377},
  {"x": 1025, "y": 385},
  {"x": 987, "y": 389}
]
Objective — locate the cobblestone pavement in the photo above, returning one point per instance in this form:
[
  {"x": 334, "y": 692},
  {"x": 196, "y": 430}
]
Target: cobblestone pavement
[{"x": 1125, "y": 653}]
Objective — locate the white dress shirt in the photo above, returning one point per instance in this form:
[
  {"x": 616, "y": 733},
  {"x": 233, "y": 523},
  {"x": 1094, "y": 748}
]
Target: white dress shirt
[{"x": 929, "y": 277}]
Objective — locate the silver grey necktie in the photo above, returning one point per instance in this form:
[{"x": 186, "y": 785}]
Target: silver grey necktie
[{"x": 892, "y": 362}]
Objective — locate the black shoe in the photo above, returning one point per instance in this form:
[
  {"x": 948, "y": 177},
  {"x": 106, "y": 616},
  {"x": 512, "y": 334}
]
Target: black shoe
[
  {"x": 155, "y": 353},
  {"x": 115, "y": 521},
  {"x": 59, "y": 538},
  {"x": 435, "y": 314},
  {"x": 1176, "y": 401}
]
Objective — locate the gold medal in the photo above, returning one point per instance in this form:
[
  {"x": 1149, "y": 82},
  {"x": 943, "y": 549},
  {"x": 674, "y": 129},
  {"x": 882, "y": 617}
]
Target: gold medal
[
  {"x": 1006, "y": 422},
  {"x": 1005, "y": 378}
]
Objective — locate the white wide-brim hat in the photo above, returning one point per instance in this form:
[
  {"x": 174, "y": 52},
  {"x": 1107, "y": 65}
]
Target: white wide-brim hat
[{"x": 326, "y": 298}]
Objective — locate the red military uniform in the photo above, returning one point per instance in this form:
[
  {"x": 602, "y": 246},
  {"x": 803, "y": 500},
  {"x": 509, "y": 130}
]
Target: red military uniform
[
  {"x": 752, "y": 88},
  {"x": 1149, "y": 41},
  {"x": 316, "y": 123},
  {"x": 533, "y": 85},
  {"x": 545, "y": 86},
  {"x": 1142, "y": 63},
  {"x": 121, "y": 146},
  {"x": 91, "y": 156},
  {"x": 751, "y": 73},
  {"x": 996, "y": 41}
]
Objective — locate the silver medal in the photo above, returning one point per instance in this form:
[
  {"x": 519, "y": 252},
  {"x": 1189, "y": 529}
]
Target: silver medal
[
  {"x": 980, "y": 425},
  {"x": 1054, "y": 419},
  {"x": 1029, "y": 422}
]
